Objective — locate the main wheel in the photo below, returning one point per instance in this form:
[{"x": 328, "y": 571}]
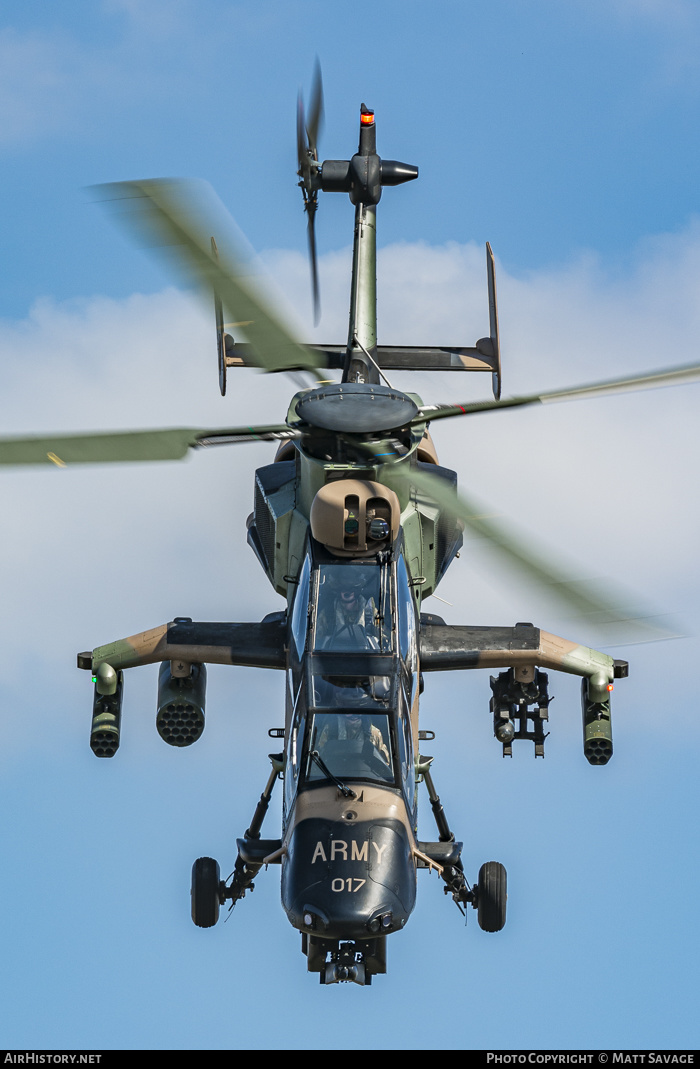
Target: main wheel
[
  {"x": 491, "y": 897},
  {"x": 205, "y": 892}
]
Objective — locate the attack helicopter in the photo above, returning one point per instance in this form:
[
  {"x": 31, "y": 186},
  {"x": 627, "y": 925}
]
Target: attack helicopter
[{"x": 354, "y": 523}]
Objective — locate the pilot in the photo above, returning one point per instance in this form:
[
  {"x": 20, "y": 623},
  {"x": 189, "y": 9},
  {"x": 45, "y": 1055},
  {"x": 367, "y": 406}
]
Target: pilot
[
  {"x": 353, "y": 725},
  {"x": 350, "y": 623}
]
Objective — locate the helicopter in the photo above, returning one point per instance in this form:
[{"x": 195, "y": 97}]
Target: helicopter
[{"x": 355, "y": 523}]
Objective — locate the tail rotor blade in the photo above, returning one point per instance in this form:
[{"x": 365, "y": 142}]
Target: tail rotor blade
[
  {"x": 302, "y": 154},
  {"x": 220, "y": 335},
  {"x": 307, "y": 151},
  {"x": 311, "y": 230},
  {"x": 315, "y": 121},
  {"x": 493, "y": 322}
]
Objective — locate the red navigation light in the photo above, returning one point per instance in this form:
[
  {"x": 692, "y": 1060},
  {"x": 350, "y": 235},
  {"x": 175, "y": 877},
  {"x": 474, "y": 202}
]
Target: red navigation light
[
  {"x": 610, "y": 686},
  {"x": 367, "y": 118}
]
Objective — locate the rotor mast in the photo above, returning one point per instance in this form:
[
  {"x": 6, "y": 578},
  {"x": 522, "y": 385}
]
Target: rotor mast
[
  {"x": 362, "y": 329},
  {"x": 362, "y": 179},
  {"x": 360, "y": 358}
]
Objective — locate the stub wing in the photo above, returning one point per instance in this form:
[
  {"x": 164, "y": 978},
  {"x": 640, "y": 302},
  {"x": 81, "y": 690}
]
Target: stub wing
[
  {"x": 449, "y": 647},
  {"x": 256, "y": 645}
]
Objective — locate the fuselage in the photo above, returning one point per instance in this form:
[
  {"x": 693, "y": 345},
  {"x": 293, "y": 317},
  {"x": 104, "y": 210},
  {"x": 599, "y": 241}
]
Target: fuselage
[{"x": 349, "y": 822}]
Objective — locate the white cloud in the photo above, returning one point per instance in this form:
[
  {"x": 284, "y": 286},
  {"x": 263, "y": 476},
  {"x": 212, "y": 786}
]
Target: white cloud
[{"x": 96, "y": 553}]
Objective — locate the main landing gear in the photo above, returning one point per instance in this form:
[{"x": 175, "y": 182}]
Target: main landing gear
[
  {"x": 489, "y": 894},
  {"x": 209, "y": 891}
]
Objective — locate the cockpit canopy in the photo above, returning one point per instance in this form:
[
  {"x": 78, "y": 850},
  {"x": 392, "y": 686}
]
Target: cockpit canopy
[
  {"x": 352, "y": 609},
  {"x": 353, "y": 630},
  {"x": 349, "y": 745},
  {"x": 354, "y": 617}
]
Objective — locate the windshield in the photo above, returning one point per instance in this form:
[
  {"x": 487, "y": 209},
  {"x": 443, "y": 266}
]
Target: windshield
[
  {"x": 352, "y": 745},
  {"x": 353, "y": 608},
  {"x": 350, "y": 692}
]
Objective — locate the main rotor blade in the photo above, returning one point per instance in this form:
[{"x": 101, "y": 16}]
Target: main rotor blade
[
  {"x": 172, "y": 214},
  {"x": 677, "y": 376},
  {"x": 588, "y": 600},
  {"x": 129, "y": 446}
]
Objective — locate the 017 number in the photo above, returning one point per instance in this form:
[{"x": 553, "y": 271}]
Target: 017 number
[{"x": 351, "y": 884}]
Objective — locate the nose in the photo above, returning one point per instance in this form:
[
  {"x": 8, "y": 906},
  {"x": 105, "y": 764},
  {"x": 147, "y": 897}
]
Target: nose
[{"x": 349, "y": 882}]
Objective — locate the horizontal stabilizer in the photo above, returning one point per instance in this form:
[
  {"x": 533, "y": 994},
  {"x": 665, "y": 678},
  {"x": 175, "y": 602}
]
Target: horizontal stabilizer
[
  {"x": 484, "y": 356},
  {"x": 477, "y": 357}
]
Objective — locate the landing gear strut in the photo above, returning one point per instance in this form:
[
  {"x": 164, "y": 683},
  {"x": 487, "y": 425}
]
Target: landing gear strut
[
  {"x": 252, "y": 850},
  {"x": 208, "y": 890},
  {"x": 487, "y": 896}
]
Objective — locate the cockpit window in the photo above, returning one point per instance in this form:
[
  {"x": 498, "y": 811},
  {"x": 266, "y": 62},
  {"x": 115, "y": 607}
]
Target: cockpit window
[
  {"x": 407, "y": 616},
  {"x": 353, "y": 609},
  {"x": 351, "y": 692},
  {"x": 301, "y": 608},
  {"x": 352, "y": 745}
]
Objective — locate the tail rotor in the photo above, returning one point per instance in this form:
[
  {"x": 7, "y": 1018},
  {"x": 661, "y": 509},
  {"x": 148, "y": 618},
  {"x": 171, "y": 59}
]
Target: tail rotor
[{"x": 308, "y": 129}]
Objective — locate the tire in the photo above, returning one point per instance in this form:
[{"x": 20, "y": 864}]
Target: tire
[
  {"x": 205, "y": 892},
  {"x": 491, "y": 898}
]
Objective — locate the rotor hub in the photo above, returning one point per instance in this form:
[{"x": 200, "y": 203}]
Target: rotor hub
[{"x": 357, "y": 407}]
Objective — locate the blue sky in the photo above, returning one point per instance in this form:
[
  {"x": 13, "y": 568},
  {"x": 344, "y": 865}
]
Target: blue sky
[{"x": 567, "y": 136}]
